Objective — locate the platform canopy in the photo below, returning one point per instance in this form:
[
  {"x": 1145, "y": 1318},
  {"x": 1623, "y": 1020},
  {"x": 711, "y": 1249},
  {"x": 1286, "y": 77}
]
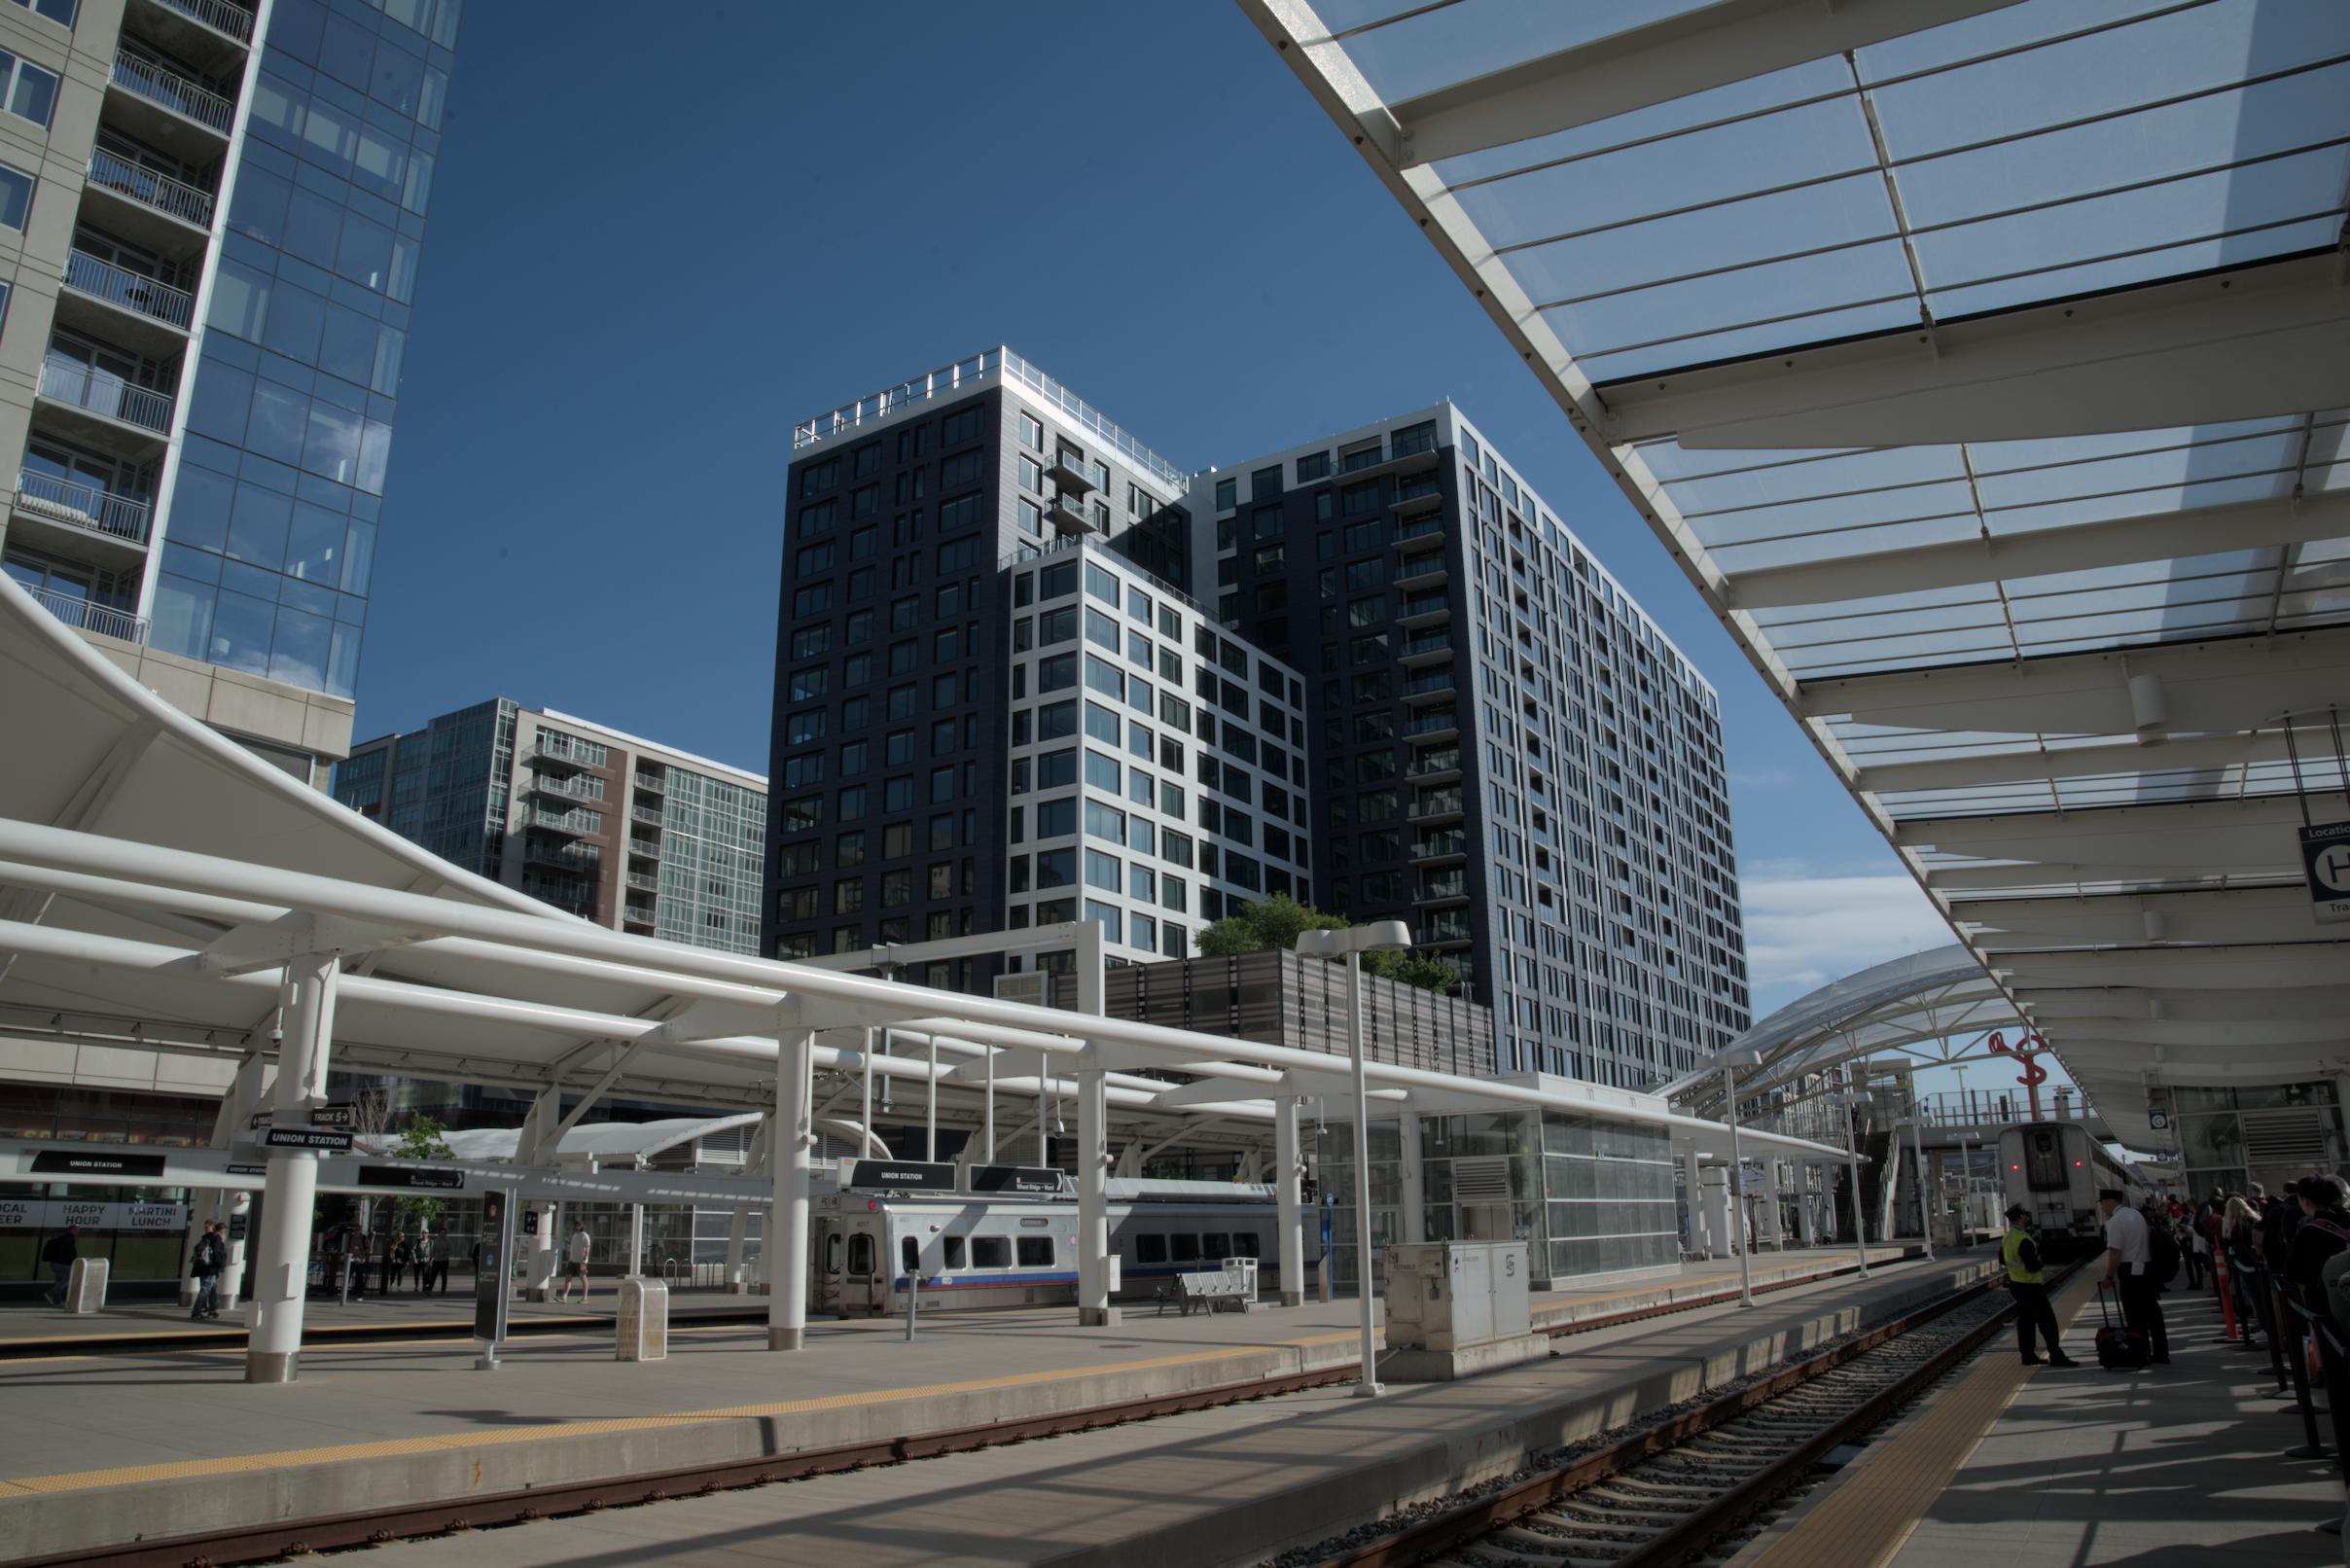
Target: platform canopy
[
  {"x": 155, "y": 876},
  {"x": 1985, "y": 366}
]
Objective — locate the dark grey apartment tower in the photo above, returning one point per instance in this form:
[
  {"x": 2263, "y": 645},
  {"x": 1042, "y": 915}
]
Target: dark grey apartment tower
[
  {"x": 997, "y": 706},
  {"x": 1508, "y": 754}
]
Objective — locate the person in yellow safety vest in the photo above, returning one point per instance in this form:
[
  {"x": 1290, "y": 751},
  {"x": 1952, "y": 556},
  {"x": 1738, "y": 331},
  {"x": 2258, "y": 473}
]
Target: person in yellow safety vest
[{"x": 2028, "y": 1283}]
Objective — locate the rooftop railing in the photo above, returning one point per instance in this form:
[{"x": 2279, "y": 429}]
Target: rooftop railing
[
  {"x": 88, "y": 615},
  {"x": 164, "y": 193},
  {"x": 84, "y": 506},
  {"x": 132, "y": 291},
  {"x": 102, "y": 392},
  {"x": 218, "y": 15},
  {"x": 170, "y": 90}
]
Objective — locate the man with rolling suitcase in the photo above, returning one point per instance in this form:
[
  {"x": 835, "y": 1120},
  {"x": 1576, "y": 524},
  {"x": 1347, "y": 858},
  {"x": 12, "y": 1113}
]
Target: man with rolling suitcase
[{"x": 2129, "y": 1271}]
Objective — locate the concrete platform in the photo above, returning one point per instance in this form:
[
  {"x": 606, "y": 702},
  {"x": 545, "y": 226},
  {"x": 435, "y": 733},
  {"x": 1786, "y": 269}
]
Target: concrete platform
[
  {"x": 167, "y": 1440},
  {"x": 2015, "y": 1467}
]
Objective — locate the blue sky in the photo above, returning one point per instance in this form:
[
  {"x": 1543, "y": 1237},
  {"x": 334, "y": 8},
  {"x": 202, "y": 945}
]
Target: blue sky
[{"x": 647, "y": 260}]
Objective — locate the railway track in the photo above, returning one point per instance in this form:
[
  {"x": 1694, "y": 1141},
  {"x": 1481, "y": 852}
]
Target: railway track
[{"x": 1679, "y": 1490}]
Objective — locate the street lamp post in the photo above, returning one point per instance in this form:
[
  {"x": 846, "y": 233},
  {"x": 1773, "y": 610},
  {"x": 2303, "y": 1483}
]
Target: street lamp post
[
  {"x": 1852, "y": 1162},
  {"x": 1352, "y": 942},
  {"x": 1731, "y": 1061}
]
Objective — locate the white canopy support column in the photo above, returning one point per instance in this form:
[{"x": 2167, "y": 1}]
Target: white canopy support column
[
  {"x": 1093, "y": 1308},
  {"x": 236, "y": 1108},
  {"x": 1412, "y": 1224},
  {"x": 786, "y": 1253},
  {"x": 536, "y": 1146},
  {"x": 738, "y": 1219},
  {"x": 274, "y": 1350},
  {"x": 1289, "y": 1173},
  {"x": 245, "y": 1093}
]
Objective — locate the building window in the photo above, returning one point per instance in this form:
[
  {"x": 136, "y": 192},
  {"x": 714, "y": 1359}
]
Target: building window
[
  {"x": 1032, "y": 432},
  {"x": 26, "y": 90},
  {"x": 1227, "y": 494},
  {"x": 16, "y": 197},
  {"x": 1313, "y": 466}
]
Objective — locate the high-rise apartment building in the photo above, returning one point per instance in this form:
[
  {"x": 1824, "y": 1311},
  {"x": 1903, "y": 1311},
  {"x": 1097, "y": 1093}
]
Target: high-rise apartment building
[
  {"x": 1507, "y": 753},
  {"x": 1029, "y": 672},
  {"x": 210, "y": 224},
  {"x": 626, "y": 833},
  {"x": 996, "y": 704}
]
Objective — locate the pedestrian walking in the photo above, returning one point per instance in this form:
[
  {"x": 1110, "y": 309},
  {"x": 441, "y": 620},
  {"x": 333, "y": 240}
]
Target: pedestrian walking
[
  {"x": 2028, "y": 1284},
  {"x": 2129, "y": 1270},
  {"x": 575, "y": 1265},
  {"x": 59, "y": 1253},
  {"x": 210, "y": 1259}
]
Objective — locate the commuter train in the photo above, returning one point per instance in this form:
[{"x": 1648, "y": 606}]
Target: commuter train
[
  {"x": 2056, "y": 1169},
  {"x": 1009, "y": 1251}
]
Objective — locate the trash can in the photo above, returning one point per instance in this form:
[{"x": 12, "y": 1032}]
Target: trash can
[
  {"x": 85, "y": 1287},
  {"x": 644, "y": 1320}
]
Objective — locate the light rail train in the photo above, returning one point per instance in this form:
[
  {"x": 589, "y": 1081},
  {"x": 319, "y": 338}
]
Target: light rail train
[
  {"x": 2056, "y": 1169},
  {"x": 1003, "y": 1250}
]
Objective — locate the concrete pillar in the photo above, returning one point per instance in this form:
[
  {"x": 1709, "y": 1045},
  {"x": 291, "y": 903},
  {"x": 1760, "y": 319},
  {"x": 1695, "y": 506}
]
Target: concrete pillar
[
  {"x": 1692, "y": 1190},
  {"x": 1774, "y": 1221},
  {"x": 274, "y": 1350},
  {"x": 1806, "y": 1208},
  {"x": 536, "y": 1146},
  {"x": 784, "y": 1259},
  {"x": 1412, "y": 1224},
  {"x": 1094, "y": 1199},
  {"x": 1289, "y": 1166},
  {"x": 636, "y": 1240}
]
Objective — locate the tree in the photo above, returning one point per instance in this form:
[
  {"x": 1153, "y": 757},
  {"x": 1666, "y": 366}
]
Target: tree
[
  {"x": 422, "y": 1140},
  {"x": 1273, "y": 925}
]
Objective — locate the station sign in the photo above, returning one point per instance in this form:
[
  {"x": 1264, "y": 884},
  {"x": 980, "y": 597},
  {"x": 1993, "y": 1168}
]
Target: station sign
[
  {"x": 492, "y": 1274},
  {"x": 412, "y": 1177},
  {"x": 1039, "y": 1180},
  {"x": 322, "y": 1138},
  {"x": 900, "y": 1176},
  {"x": 2326, "y": 861},
  {"x": 76, "y": 1163},
  {"x": 249, "y": 1170},
  {"x": 321, "y": 1115},
  {"x": 56, "y": 1214}
]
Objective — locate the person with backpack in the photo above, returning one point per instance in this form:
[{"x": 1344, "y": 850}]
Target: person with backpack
[
  {"x": 2323, "y": 1231},
  {"x": 2028, "y": 1284},
  {"x": 2162, "y": 1248},
  {"x": 2129, "y": 1270},
  {"x": 211, "y": 1258}
]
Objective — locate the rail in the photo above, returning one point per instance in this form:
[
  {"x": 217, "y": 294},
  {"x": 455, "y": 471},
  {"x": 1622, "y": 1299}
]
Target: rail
[
  {"x": 89, "y": 615},
  {"x": 104, "y": 393},
  {"x": 174, "y": 198},
  {"x": 235, "y": 20},
  {"x": 89, "y": 506},
  {"x": 168, "y": 90}
]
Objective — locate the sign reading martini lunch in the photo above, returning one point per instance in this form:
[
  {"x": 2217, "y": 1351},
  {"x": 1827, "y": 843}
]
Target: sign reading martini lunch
[{"x": 2326, "y": 860}]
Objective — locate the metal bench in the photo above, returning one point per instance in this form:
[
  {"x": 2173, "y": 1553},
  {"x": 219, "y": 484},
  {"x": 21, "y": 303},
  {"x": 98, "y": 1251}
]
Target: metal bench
[{"x": 1230, "y": 1287}]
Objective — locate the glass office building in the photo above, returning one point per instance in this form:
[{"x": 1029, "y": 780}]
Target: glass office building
[{"x": 213, "y": 299}]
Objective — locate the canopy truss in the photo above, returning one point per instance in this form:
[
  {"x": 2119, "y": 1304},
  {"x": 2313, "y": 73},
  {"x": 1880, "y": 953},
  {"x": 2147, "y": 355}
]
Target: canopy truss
[{"x": 1987, "y": 367}]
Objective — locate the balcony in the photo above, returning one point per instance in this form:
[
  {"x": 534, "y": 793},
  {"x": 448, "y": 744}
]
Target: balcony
[
  {"x": 1428, "y": 688},
  {"x": 85, "y": 507},
  {"x": 1427, "y": 647},
  {"x": 87, "y": 615},
  {"x": 146, "y": 298},
  {"x": 576, "y": 824},
  {"x": 1420, "y": 533},
  {"x": 572, "y": 787},
  {"x": 560, "y": 752},
  {"x": 1451, "y": 926},
  {"x": 637, "y": 914},
  {"x": 125, "y": 409},
  {"x": 175, "y": 94},
  {"x": 1420, "y": 608},
  {"x": 645, "y": 847},
  {"x": 1435, "y": 806},
  {"x": 649, "y": 815},
  {"x": 1072, "y": 474},
  {"x": 152, "y": 191},
  {"x": 1436, "y": 848},
  {"x": 1407, "y": 451},
  {"x": 230, "y": 21},
  {"x": 1450, "y": 887},
  {"x": 1436, "y": 724},
  {"x": 654, "y": 781},
  {"x": 1434, "y": 766},
  {"x": 574, "y": 893},
  {"x": 571, "y": 857},
  {"x": 1068, "y": 514},
  {"x": 1426, "y": 569},
  {"x": 644, "y": 881}
]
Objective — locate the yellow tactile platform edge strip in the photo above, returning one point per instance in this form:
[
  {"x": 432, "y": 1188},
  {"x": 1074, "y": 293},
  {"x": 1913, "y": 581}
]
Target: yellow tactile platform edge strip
[
  {"x": 235, "y": 1464},
  {"x": 1870, "y": 1515}
]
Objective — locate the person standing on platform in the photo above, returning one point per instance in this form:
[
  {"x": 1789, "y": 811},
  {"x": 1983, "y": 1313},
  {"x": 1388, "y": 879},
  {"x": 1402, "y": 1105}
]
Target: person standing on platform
[
  {"x": 2028, "y": 1283},
  {"x": 2323, "y": 1231},
  {"x": 211, "y": 1256},
  {"x": 2129, "y": 1270},
  {"x": 59, "y": 1254},
  {"x": 575, "y": 1265}
]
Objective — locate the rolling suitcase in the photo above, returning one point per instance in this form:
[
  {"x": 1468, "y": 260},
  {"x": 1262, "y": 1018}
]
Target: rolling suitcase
[{"x": 2118, "y": 1344}]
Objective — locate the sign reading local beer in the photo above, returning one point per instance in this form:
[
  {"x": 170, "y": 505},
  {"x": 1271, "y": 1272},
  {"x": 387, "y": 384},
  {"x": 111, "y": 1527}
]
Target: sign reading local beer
[
  {"x": 1043, "y": 1180},
  {"x": 411, "y": 1176},
  {"x": 2326, "y": 860},
  {"x": 76, "y": 1163},
  {"x": 900, "y": 1176},
  {"x": 326, "y": 1138}
]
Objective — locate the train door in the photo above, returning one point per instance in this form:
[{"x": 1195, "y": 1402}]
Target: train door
[
  {"x": 826, "y": 1279},
  {"x": 862, "y": 1284}
]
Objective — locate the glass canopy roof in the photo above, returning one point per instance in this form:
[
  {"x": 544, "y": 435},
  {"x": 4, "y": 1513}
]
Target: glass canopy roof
[{"x": 1988, "y": 365}]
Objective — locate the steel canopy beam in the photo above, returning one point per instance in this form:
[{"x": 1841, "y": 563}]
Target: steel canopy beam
[
  {"x": 2261, "y": 342},
  {"x": 2223, "y": 835},
  {"x": 1707, "y": 46},
  {"x": 2154, "y": 536},
  {"x": 2216, "y": 753}
]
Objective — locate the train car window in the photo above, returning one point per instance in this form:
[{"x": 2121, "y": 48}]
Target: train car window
[
  {"x": 1187, "y": 1248},
  {"x": 1150, "y": 1249},
  {"x": 992, "y": 1252},
  {"x": 1244, "y": 1245},
  {"x": 954, "y": 1252},
  {"x": 832, "y": 1253},
  {"x": 1036, "y": 1252},
  {"x": 1216, "y": 1244},
  {"x": 861, "y": 1255},
  {"x": 911, "y": 1252}
]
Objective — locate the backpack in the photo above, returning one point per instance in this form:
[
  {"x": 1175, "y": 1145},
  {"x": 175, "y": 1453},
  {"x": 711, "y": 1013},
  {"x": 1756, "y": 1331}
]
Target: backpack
[{"x": 2162, "y": 1253}]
